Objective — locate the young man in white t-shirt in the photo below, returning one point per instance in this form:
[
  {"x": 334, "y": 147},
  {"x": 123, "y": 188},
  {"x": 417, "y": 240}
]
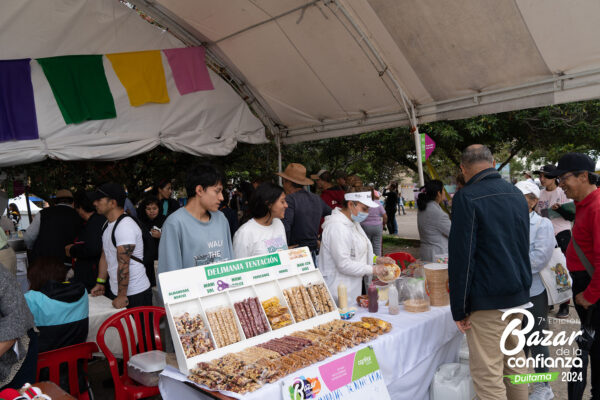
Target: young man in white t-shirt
[{"x": 129, "y": 285}]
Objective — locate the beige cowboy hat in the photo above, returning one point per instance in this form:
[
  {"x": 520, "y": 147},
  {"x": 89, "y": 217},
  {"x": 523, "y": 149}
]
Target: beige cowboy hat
[{"x": 296, "y": 173}]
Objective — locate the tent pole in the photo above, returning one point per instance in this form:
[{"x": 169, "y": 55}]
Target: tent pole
[
  {"x": 278, "y": 143},
  {"x": 27, "y": 199},
  {"x": 415, "y": 129}
]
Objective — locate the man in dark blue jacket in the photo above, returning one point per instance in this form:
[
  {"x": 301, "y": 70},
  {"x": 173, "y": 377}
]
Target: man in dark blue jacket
[{"x": 489, "y": 269}]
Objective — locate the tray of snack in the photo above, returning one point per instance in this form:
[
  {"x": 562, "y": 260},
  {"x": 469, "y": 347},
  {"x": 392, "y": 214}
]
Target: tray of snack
[
  {"x": 318, "y": 292},
  {"x": 232, "y": 319},
  {"x": 191, "y": 325},
  {"x": 251, "y": 368},
  {"x": 249, "y": 311}
]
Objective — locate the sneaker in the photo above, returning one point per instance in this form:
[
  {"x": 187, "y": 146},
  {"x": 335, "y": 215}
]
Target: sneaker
[
  {"x": 563, "y": 311},
  {"x": 541, "y": 392}
]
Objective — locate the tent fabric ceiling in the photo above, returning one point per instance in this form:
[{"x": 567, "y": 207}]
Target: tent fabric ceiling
[
  {"x": 200, "y": 123},
  {"x": 337, "y": 67}
]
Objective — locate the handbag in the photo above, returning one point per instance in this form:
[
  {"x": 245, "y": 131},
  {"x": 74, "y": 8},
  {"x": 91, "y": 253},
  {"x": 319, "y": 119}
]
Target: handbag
[{"x": 556, "y": 278}]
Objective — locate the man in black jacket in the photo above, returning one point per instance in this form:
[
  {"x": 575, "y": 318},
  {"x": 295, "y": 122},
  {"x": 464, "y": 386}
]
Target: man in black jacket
[
  {"x": 489, "y": 270},
  {"x": 87, "y": 249},
  {"x": 53, "y": 228}
]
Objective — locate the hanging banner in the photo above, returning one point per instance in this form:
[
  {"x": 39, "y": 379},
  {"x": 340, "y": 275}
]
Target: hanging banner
[
  {"x": 189, "y": 69},
  {"x": 17, "y": 112},
  {"x": 143, "y": 76},
  {"x": 427, "y": 146},
  {"x": 354, "y": 376},
  {"x": 80, "y": 87}
]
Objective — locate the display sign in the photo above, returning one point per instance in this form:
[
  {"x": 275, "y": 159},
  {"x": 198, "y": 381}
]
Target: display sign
[
  {"x": 427, "y": 146},
  {"x": 223, "y": 276},
  {"x": 353, "y": 376}
]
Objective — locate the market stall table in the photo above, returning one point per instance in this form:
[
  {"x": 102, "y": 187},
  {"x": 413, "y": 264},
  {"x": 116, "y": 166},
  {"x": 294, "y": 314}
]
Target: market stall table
[
  {"x": 100, "y": 309},
  {"x": 408, "y": 357}
]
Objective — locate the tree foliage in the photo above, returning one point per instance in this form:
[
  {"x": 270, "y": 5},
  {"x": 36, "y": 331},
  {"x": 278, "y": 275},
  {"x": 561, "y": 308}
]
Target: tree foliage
[{"x": 521, "y": 138}]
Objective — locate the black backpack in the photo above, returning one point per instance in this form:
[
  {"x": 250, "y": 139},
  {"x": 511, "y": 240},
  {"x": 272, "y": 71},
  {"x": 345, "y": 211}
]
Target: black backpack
[{"x": 146, "y": 238}]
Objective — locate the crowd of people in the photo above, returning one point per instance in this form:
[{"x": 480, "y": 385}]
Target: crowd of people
[{"x": 497, "y": 237}]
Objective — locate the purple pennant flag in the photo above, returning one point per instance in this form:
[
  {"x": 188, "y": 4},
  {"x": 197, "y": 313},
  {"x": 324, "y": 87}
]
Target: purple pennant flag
[
  {"x": 189, "y": 69},
  {"x": 17, "y": 108}
]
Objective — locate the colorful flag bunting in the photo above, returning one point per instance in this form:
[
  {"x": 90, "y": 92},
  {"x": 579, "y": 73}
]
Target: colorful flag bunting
[
  {"x": 143, "y": 76},
  {"x": 17, "y": 108},
  {"x": 80, "y": 87},
  {"x": 189, "y": 69}
]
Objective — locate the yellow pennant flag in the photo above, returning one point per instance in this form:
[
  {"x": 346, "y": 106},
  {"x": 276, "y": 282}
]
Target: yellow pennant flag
[{"x": 143, "y": 76}]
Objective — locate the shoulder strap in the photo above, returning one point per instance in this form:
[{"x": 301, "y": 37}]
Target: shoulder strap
[
  {"x": 114, "y": 240},
  {"x": 586, "y": 263},
  {"x": 480, "y": 177}
]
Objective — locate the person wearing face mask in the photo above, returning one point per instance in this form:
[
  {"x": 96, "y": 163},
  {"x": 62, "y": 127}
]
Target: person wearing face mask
[
  {"x": 264, "y": 233},
  {"x": 346, "y": 252},
  {"x": 432, "y": 221}
]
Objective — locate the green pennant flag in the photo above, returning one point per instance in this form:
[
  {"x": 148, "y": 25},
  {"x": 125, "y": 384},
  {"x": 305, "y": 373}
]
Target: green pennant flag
[{"x": 80, "y": 87}]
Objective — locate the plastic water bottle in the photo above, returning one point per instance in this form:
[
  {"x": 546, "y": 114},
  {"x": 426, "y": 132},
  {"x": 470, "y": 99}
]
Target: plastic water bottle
[
  {"x": 394, "y": 307},
  {"x": 342, "y": 296}
]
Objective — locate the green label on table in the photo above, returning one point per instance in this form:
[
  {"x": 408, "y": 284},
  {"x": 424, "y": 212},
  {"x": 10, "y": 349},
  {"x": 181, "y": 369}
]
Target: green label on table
[
  {"x": 365, "y": 363},
  {"x": 239, "y": 267}
]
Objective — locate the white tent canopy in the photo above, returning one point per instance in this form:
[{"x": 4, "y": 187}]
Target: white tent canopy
[
  {"x": 201, "y": 123},
  {"x": 312, "y": 69},
  {"x": 328, "y": 68},
  {"x": 22, "y": 204}
]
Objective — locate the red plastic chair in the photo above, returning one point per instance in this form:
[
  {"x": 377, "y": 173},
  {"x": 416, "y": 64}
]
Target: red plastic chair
[
  {"x": 70, "y": 355},
  {"x": 125, "y": 388},
  {"x": 402, "y": 259}
]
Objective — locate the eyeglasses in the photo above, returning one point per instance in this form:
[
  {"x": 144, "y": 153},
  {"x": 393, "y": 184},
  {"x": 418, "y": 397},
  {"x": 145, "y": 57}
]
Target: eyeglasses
[{"x": 563, "y": 177}]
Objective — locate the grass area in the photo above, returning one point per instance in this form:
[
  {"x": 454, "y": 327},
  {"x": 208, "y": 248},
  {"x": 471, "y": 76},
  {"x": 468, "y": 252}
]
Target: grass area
[{"x": 393, "y": 241}]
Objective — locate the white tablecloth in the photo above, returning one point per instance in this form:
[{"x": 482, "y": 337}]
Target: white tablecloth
[
  {"x": 408, "y": 357},
  {"x": 100, "y": 309}
]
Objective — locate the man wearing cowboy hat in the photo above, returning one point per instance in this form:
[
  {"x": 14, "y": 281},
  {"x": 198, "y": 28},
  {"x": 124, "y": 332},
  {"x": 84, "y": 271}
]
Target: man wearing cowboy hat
[
  {"x": 305, "y": 210},
  {"x": 54, "y": 227}
]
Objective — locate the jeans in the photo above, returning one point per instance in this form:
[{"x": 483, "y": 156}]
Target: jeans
[
  {"x": 540, "y": 317},
  {"x": 581, "y": 280},
  {"x": 375, "y": 235},
  {"x": 391, "y": 222}
]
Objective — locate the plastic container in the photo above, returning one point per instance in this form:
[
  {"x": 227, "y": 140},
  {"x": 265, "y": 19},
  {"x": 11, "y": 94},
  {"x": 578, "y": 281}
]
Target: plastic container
[
  {"x": 394, "y": 307},
  {"x": 452, "y": 382},
  {"x": 144, "y": 368},
  {"x": 463, "y": 353},
  {"x": 373, "y": 298},
  {"x": 436, "y": 284}
]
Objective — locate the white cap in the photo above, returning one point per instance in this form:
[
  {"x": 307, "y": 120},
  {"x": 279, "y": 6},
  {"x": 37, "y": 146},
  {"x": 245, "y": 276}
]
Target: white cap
[
  {"x": 528, "y": 187},
  {"x": 362, "y": 197}
]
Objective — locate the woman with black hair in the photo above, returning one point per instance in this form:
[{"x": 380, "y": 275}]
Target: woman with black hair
[
  {"x": 163, "y": 191},
  {"x": 264, "y": 233},
  {"x": 152, "y": 220},
  {"x": 432, "y": 221}
]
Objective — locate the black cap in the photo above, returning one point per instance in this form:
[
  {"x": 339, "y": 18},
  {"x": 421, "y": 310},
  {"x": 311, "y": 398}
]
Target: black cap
[
  {"x": 575, "y": 162},
  {"x": 110, "y": 190},
  {"x": 549, "y": 170}
]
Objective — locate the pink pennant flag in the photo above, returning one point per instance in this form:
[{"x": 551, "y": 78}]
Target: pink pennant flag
[{"x": 189, "y": 69}]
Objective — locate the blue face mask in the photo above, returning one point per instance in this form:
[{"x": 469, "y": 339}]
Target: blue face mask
[{"x": 360, "y": 217}]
